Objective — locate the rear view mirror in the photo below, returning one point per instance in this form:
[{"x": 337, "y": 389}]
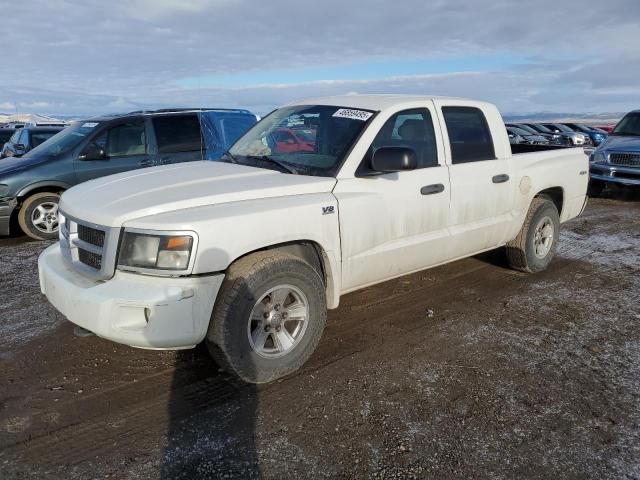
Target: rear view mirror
[
  {"x": 394, "y": 159},
  {"x": 93, "y": 152}
]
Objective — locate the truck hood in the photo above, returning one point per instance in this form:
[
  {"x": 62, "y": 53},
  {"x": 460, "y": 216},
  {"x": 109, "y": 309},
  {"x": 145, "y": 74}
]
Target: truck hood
[
  {"x": 621, "y": 143},
  {"x": 112, "y": 201}
]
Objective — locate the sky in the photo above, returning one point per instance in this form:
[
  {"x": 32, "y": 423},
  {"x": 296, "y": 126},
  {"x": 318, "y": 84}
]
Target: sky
[{"x": 88, "y": 57}]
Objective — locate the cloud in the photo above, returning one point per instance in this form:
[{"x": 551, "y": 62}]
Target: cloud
[{"x": 88, "y": 55}]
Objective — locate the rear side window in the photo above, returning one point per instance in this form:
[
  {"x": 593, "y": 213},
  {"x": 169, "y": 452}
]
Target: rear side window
[
  {"x": 413, "y": 129},
  {"x": 469, "y": 135},
  {"x": 178, "y": 133}
]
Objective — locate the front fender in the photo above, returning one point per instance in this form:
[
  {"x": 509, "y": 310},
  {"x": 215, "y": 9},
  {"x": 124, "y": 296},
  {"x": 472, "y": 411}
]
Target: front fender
[{"x": 229, "y": 231}]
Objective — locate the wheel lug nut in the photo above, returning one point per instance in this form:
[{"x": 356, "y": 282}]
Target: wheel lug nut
[
  {"x": 267, "y": 328},
  {"x": 285, "y": 315},
  {"x": 265, "y": 315},
  {"x": 277, "y": 307}
]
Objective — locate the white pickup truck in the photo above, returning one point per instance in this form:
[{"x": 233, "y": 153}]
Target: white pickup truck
[{"x": 320, "y": 198}]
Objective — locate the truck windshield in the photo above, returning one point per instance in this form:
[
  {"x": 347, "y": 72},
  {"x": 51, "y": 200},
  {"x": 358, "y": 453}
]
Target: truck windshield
[
  {"x": 65, "y": 140},
  {"x": 629, "y": 125},
  {"x": 305, "y": 139}
]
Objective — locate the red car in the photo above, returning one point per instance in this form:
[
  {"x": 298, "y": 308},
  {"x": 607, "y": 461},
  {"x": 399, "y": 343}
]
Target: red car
[
  {"x": 288, "y": 140},
  {"x": 606, "y": 128}
]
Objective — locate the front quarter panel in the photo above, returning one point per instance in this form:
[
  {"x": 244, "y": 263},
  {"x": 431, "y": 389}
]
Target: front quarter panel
[{"x": 229, "y": 231}]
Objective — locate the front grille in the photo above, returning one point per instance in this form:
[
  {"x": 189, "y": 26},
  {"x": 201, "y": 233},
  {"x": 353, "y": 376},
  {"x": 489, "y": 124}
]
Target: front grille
[
  {"x": 91, "y": 259},
  {"x": 91, "y": 235},
  {"x": 629, "y": 159}
]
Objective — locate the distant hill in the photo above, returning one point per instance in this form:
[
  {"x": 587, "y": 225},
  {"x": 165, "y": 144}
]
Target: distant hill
[
  {"x": 588, "y": 118},
  {"x": 26, "y": 117}
]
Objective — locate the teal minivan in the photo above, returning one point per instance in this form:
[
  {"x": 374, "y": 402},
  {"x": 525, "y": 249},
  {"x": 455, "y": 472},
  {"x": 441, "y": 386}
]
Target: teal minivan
[{"x": 30, "y": 186}]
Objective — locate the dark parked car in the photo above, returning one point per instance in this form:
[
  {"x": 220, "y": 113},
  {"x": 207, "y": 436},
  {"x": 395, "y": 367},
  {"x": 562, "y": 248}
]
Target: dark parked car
[
  {"x": 596, "y": 135},
  {"x": 553, "y": 138},
  {"x": 5, "y": 135},
  {"x": 561, "y": 137},
  {"x": 617, "y": 159},
  {"x": 27, "y": 139},
  {"x": 30, "y": 186},
  {"x": 519, "y": 135},
  {"x": 578, "y": 139}
]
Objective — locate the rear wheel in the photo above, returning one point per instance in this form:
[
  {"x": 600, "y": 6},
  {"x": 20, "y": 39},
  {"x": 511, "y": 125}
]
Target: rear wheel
[
  {"x": 268, "y": 317},
  {"x": 38, "y": 216},
  {"x": 536, "y": 244}
]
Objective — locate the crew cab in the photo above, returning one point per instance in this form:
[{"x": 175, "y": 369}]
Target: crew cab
[
  {"x": 30, "y": 186},
  {"x": 248, "y": 253},
  {"x": 617, "y": 159}
]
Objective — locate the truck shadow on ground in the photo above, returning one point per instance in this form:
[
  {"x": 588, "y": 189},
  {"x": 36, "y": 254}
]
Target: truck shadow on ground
[
  {"x": 620, "y": 192},
  {"x": 211, "y": 422}
]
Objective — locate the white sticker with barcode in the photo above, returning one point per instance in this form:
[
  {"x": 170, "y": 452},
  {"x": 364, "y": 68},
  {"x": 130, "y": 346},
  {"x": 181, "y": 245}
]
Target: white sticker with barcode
[
  {"x": 89, "y": 124},
  {"x": 353, "y": 114}
]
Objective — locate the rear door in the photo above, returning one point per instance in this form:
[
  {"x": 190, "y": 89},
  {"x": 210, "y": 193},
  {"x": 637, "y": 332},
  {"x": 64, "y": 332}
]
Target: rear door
[
  {"x": 178, "y": 138},
  {"x": 481, "y": 183},
  {"x": 125, "y": 146}
]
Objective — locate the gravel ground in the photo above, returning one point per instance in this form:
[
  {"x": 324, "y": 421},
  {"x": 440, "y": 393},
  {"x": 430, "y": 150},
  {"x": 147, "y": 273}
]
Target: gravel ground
[{"x": 467, "y": 370}]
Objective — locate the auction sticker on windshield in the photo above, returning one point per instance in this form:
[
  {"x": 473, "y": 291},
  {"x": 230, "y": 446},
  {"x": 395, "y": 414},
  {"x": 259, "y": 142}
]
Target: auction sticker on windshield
[
  {"x": 89, "y": 124},
  {"x": 353, "y": 114}
]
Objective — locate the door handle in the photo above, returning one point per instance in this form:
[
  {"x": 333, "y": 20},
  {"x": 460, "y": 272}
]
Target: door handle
[
  {"x": 145, "y": 163},
  {"x": 500, "y": 178},
  {"x": 431, "y": 189}
]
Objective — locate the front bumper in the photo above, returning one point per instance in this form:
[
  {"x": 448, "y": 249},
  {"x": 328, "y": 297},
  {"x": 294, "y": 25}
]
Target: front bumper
[
  {"x": 7, "y": 206},
  {"x": 137, "y": 310},
  {"x": 614, "y": 174}
]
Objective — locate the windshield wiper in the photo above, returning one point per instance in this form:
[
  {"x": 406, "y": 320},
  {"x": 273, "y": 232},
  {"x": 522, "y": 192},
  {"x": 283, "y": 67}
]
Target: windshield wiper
[{"x": 267, "y": 158}]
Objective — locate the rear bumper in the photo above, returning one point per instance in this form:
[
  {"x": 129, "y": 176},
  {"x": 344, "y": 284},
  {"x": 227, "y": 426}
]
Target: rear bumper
[
  {"x": 7, "y": 207},
  {"x": 137, "y": 310},
  {"x": 615, "y": 174}
]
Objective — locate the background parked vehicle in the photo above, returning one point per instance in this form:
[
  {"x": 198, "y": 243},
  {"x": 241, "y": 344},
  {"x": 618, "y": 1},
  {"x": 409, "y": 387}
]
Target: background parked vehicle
[
  {"x": 596, "y": 135},
  {"x": 566, "y": 139},
  {"x": 617, "y": 159},
  {"x": 519, "y": 135},
  {"x": 26, "y": 139},
  {"x": 5, "y": 135},
  {"x": 577, "y": 138},
  {"x": 605, "y": 128},
  {"x": 553, "y": 138},
  {"x": 30, "y": 186}
]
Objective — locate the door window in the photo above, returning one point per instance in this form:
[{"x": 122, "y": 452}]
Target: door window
[
  {"x": 123, "y": 140},
  {"x": 413, "y": 129},
  {"x": 469, "y": 134},
  {"x": 178, "y": 133}
]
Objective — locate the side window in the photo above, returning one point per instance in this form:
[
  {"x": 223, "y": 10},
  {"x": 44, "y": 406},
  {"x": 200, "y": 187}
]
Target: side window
[
  {"x": 469, "y": 134},
  {"x": 178, "y": 133},
  {"x": 413, "y": 129},
  {"x": 123, "y": 140}
]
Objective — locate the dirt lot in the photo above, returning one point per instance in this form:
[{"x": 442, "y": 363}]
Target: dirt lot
[{"x": 467, "y": 370}]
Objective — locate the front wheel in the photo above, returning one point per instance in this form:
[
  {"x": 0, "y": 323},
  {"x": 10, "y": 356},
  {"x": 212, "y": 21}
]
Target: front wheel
[
  {"x": 38, "y": 216},
  {"x": 268, "y": 317},
  {"x": 536, "y": 244}
]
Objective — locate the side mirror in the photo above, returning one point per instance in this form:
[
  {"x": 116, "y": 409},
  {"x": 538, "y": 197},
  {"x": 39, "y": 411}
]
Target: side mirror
[
  {"x": 93, "y": 152},
  {"x": 394, "y": 159},
  {"x": 18, "y": 147}
]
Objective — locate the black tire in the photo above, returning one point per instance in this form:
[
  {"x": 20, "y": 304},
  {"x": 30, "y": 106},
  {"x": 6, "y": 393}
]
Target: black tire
[
  {"x": 595, "y": 188},
  {"x": 521, "y": 251},
  {"x": 26, "y": 214},
  {"x": 246, "y": 281}
]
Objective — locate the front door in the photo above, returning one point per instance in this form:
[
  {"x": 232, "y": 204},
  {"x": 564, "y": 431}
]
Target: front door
[
  {"x": 125, "y": 148},
  {"x": 395, "y": 223}
]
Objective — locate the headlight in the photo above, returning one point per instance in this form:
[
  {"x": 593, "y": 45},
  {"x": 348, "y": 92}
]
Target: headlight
[
  {"x": 156, "y": 251},
  {"x": 598, "y": 157}
]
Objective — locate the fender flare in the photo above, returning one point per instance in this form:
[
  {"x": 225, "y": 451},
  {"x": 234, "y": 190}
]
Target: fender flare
[{"x": 56, "y": 184}]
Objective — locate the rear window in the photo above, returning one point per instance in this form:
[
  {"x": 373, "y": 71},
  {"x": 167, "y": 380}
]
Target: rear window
[
  {"x": 469, "y": 134},
  {"x": 178, "y": 133}
]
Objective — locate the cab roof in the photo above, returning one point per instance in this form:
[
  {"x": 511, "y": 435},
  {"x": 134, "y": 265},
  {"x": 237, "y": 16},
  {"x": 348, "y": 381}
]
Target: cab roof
[{"x": 372, "y": 102}]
